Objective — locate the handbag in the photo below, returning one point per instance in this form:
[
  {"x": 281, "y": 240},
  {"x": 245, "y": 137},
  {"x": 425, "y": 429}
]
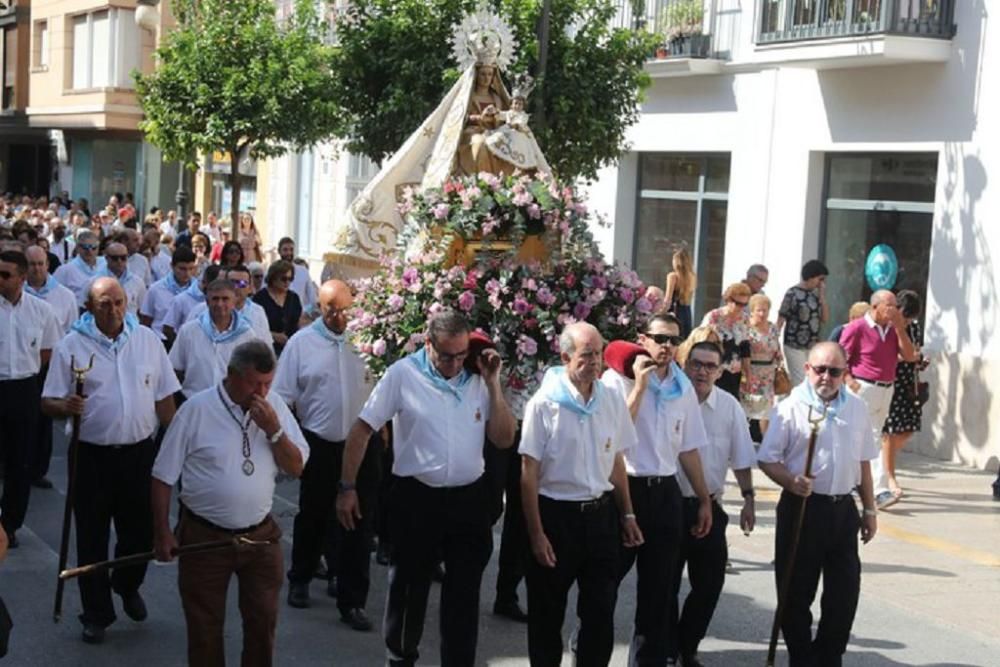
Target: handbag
[{"x": 782, "y": 383}]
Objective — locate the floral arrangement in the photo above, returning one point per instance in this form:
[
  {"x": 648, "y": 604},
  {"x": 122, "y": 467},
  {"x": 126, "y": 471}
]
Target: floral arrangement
[{"x": 522, "y": 306}]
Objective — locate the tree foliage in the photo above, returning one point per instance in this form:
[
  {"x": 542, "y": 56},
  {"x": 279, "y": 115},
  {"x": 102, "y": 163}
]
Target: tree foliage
[
  {"x": 393, "y": 65},
  {"x": 232, "y": 77}
]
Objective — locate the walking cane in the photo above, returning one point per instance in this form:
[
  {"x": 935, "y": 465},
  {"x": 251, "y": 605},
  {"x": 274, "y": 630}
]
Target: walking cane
[
  {"x": 138, "y": 559},
  {"x": 786, "y": 580},
  {"x": 80, "y": 374}
]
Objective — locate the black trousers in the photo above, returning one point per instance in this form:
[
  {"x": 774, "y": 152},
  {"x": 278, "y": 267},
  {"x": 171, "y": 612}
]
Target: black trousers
[
  {"x": 656, "y": 502},
  {"x": 706, "y": 565},
  {"x": 829, "y": 546},
  {"x": 19, "y": 413},
  {"x": 503, "y": 468},
  {"x": 112, "y": 484},
  {"x": 41, "y": 453},
  {"x": 317, "y": 502},
  {"x": 426, "y": 524},
  {"x": 586, "y": 545}
]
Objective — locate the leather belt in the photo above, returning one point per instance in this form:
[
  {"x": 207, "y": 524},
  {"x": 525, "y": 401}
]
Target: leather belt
[
  {"x": 229, "y": 531},
  {"x": 583, "y": 506},
  {"x": 877, "y": 383},
  {"x": 652, "y": 480}
]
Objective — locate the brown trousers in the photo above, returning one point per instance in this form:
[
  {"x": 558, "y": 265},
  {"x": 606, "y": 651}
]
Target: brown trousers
[{"x": 204, "y": 579}]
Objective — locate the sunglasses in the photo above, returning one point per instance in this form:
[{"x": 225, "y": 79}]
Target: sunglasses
[
  {"x": 741, "y": 304},
  {"x": 240, "y": 283},
  {"x": 116, "y": 258},
  {"x": 832, "y": 371},
  {"x": 664, "y": 339},
  {"x": 696, "y": 365},
  {"x": 87, "y": 246}
]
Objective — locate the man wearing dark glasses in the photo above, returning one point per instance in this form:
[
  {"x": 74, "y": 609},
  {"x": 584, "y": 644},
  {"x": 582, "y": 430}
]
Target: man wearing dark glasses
[
  {"x": 828, "y": 542},
  {"x": 78, "y": 273},
  {"x": 117, "y": 267},
  {"x": 668, "y": 423}
]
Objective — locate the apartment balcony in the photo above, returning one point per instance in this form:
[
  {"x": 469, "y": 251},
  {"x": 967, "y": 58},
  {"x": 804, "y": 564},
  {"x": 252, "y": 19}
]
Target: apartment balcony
[{"x": 828, "y": 34}]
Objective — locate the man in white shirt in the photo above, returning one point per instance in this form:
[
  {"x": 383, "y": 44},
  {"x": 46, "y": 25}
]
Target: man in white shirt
[
  {"x": 573, "y": 437},
  {"x": 442, "y": 415},
  {"x": 79, "y": 271},
  {"x": 302, "y": 284},
  {"x": 28, "y": 332},
  {"x": 116, "y": 258},
  {"x": 138, "y": 265},
  {"x": 229, "y": 443},
  {"x": 729, "y": 446},
  {"x": 61, "y": 245},
  {"x": 239, "y": 276},
  {"x": 200, "y": 355},
  {"x": 324, "y": 380},
  {"x": 664, "y": 409},
  {"x": 127, "y": 394},
  {"x": 159, "y": 264},
  {"x": 828, "y": 543},
  {"x": 163, "y": 292},
  {"x": 183, "y": 305}
]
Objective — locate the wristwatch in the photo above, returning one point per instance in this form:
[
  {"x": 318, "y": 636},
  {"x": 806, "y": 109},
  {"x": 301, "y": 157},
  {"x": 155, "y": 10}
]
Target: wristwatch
[
  {"x": 749, "y": 493},
  {"x": 277, "y": 436},
  {"x": 343, "y": 486}
]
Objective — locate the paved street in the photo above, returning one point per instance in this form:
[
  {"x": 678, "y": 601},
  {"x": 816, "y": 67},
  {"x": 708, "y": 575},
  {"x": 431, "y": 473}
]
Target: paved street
[{"x": 930, "y": 585}]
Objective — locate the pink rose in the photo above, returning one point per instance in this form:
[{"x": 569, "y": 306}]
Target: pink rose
[
  {"x": 466, "y": 300},
  {"x": 378, "y": 347},
  {"x": 581, "y": 311},
  {"x": 441, "y": 211}
]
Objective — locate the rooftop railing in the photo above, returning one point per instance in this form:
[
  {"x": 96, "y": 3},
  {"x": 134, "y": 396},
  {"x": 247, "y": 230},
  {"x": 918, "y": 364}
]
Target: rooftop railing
[{"x": 798, "y": 20}]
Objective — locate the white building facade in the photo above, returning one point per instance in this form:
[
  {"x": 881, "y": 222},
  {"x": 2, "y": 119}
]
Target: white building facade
[{"x": 819, "y": 129}]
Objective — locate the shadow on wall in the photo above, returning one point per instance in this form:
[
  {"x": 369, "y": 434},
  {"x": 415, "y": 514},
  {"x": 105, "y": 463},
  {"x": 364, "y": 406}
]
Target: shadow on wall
[
  {"x": 698, "y": 94},
  {"x": 929, "y": 101}
]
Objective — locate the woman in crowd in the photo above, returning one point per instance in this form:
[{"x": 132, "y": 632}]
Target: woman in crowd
[
  {"x": 730, "y": 323},
  {"x": 281, "y": 304},
  {"x": 231, "y": 254},
  {"x": 256, "y": 276},
  {"x": 697, "y": 335},
  {"x": 250, "y": 239},
  {"x": 906, "y": 409},
  {"x": 757, "y": 390},
  {"x": 200, "y": 245},
  {"x": 681, "y": 283}
]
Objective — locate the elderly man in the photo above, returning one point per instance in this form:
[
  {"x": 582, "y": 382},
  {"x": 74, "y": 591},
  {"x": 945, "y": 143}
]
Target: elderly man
[
  {"x": 28, "y": 332},
  {"x": 200, "y": 355},
  {"x": 254, "y": 313},
  {"x": 729, "y": 446},
  {"x": 160, "y": 254},
  {"x": 116, "y": 258},
  {"x": 163, "y": 292},
  {"x": 828, "y": 543},
  {"x": 874, "y": 345},
  {"x": 184, "y": 303},
  {"x": 227, "y": 493},
  {"x": 138, "y": 265},
  {"x": 663, "y": 406},
  {"x": 322, "y": 377},
  {"x": 573, "y": 438},
  {"x": 59, "y": 243},
  {"x": 440, "y": 506},
  {"x": 127, "y": 394},
  {"x": 77, "y": 274},
  {"x": 756, "y": 278}
]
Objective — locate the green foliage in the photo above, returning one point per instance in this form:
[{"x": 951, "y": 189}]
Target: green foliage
[
  {"x": 683, "y": 18},
  {"x": 394, "y": 65}
]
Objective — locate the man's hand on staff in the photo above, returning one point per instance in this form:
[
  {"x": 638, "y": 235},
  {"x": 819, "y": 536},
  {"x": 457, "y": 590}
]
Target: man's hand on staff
[
  {"x": 74, "y": 404},
  {"x": 801, "y": 486},
  {"x": 164, "y": 544}
]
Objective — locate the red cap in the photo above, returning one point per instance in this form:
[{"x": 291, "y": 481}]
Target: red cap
[
  {"x": 619, "y": 355},
  {"x": 478, "y": 341}
]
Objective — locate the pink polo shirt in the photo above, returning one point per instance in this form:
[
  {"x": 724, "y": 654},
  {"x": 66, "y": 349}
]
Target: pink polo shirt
[{"x": 869, "y": 355}]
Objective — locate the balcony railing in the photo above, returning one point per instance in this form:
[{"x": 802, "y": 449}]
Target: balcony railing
[
  {"x": 694, "y": 39},
  {"x": 797, "y": 20}
]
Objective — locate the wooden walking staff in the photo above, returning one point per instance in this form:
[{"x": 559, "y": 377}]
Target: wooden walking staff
[
  {"x": 786, "y": 580},
  {"x": 80, "y": 374}
]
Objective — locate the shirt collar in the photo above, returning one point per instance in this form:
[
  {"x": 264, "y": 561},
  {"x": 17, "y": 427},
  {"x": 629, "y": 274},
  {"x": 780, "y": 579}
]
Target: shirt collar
[
  {"x": 883, "y": 331},
  {"x": 712, "y": 401}
]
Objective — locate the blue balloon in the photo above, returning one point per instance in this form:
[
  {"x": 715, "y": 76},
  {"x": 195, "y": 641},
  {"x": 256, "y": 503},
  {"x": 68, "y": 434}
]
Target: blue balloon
[{"x": 881, "y": 267}]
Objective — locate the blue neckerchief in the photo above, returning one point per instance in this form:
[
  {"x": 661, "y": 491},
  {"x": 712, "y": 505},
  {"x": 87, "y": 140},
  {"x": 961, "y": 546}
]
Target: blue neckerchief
[
  {"x": 87, "y": 270},
  {"x": 174, "y": 286},
  {"x": 672, "y": 387},
  {"x": 555, "y": 388},
  {"x": 427, "y": 368},
  {"x": 195, "y": 291},
  {"x": 238, "y": 326},
  {"x": 50, "y": 284},
  {"x": 105, "y": 272},
  {"x": 87, "y": 326},
  {"x": 804, "y": 393},
  {"x": 324, "y": 331}
]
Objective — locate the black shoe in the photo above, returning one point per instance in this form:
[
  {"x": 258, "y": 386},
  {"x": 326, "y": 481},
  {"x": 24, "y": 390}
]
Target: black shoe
[
  {"x": 437, "y": 574},
  {"x": 382, "y": 554},
  {"x": 691, "y": 661},
  {"x": 42, "y": 483},
  {"x": 134, "y": 606},
  {"x": 12, "y": 541},
  {"x": 331, "y": 587},
  {"x": 298, "y": 595},
  {"x": 92, "y": 633},
  {"x": 357, "y": 619},
  {"x": 511, "y": 610}
]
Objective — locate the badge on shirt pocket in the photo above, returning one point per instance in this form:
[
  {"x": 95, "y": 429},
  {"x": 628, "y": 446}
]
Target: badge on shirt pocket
[
  {"x": 607, "y": 445},
  {"x": 479, "y": 415},
  {"x": 148, "y": 380}
]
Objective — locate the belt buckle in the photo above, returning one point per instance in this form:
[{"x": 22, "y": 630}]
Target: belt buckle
[{"x": 590, "y": 505}]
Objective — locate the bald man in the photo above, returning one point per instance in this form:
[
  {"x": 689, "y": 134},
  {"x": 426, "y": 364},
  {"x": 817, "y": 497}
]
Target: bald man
[
  {"x": 322, "y": 378},
  {"x": 126, "y": 395},
  {"x": 117, "y": 266}
]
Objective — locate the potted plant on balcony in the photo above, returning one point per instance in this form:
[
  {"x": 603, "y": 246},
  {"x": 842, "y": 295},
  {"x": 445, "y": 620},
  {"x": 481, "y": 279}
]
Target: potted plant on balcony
[{"x": 682, "y": 25}]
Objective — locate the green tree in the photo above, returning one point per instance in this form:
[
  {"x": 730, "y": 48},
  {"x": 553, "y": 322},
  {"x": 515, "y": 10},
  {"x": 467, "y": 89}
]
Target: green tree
[
  {"x": 393, "y": 65},
  {"x": 232, "y": 77}
]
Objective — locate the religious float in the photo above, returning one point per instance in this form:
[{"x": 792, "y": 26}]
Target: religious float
[{"x": 467, "y": 215}]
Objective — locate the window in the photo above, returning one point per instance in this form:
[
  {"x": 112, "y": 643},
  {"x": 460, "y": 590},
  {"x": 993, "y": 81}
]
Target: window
[
  {"x": 874, "y": 199},
  {"x": 40, "y": 44},
  {"x": 105, "y": 49},
  {"x": 360, "y": 170},
  {"x": 9, "y": 66},
  {"x": 683, "y": 203}
]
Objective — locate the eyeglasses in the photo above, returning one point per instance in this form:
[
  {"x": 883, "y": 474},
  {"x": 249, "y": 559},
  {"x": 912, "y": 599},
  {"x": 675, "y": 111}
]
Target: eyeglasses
[
  {"x": 665, "y": 339},
  {"x": 116, "y": 258},
  {"x": 240, "y": 283},
  {"x": 696, "y": 365},
  {"x": 87, "y": 246},
  {"x": 257, "y": 276},
  {"x": 833, "y": 371},
  {"x": 741, "y": 304},
  {"x": 446, "y": 357}
]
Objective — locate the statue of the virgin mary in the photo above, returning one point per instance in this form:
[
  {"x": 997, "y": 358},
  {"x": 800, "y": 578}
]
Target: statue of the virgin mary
[{"x": 453, "y": 140}]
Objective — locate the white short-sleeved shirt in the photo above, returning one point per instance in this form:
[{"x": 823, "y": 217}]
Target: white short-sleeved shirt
[
  {"x": 135, "y": 290},
  {"x": 26, "y": 328},
  {"x": 253, "y": 311},
  {"x": 664, "y": 431},
  {"x": 63, "y": 304},
  {"x": 326, "y": 383},
  {"x": 138, "y": 265},
  {"x": 202, "y": 361},
  {"x": 160, "y": 266},
  {"x": 121, "y": 389},
  {"x": 844, "y": 441},
  {"x": 437, "y": 439},
  {"x": 180, "y": 309},
  {"x": 576, "y": 453},
  {"x": 204, "y": 445},
  {"x": 76, "y": 279},
  {"x": 303, "y": 286},
  {"x": 729, "y": 443},
  {"x": 62, "y": 249},
  {"x": 156, "y": 305}
]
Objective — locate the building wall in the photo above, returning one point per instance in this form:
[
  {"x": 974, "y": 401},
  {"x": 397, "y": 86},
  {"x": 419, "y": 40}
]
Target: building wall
[{"x": 779, "y": 123}]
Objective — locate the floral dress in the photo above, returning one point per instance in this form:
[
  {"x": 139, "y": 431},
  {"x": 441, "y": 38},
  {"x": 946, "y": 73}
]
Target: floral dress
[
  {"x": 735, "y": 337},
  {"x": 757, "y": 394}
]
